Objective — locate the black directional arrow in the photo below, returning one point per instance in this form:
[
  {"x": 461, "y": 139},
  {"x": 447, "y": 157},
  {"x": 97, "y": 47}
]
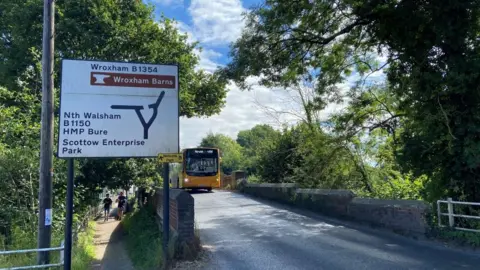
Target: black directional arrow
[{"x": 138, "y": 110}]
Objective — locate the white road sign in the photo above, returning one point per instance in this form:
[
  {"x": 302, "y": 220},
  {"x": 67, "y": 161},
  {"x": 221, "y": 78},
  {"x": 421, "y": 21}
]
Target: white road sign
[{"x": 116, "y": 109}]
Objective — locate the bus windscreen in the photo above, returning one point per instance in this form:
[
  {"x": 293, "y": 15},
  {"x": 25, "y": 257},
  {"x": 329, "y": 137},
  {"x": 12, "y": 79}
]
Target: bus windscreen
[{"x": 201, "y": 162}]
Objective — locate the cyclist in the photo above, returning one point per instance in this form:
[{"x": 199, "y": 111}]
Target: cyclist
[
  {"x": 121, "y": 204},
  {"x": 107, "y": 203}
]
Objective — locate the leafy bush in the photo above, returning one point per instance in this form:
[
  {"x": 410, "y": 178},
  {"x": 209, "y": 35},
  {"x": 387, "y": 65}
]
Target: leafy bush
[
  {"x": 397, "y": 186},
  {"x": 254, "y": 179}
]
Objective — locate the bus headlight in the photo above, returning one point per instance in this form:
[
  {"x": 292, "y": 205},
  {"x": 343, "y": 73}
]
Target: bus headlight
[{"x": 186, "y": 179}]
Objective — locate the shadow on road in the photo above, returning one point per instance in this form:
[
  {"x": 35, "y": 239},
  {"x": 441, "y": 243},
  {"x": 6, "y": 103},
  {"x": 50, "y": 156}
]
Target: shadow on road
[{"x": 198, "y": 191}]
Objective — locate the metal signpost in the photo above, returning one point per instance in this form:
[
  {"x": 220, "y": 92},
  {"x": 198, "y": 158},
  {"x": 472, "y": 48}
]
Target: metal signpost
[
  {"x": 166, "y": 159},
  {"x": 116, "y": 110}
]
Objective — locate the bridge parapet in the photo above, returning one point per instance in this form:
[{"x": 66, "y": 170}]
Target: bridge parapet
[{"x": 404, "y": 216}]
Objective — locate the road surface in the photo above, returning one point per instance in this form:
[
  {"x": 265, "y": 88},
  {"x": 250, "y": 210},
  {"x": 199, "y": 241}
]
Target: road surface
[{"x": 245, "y": 233}]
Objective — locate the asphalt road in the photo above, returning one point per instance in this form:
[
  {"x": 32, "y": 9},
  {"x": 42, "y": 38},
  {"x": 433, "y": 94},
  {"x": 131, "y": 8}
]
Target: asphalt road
[{"x": 246, "y": 233}]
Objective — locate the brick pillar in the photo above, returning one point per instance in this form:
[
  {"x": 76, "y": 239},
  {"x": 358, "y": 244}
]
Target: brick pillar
[{"x": 182, "y": 213}]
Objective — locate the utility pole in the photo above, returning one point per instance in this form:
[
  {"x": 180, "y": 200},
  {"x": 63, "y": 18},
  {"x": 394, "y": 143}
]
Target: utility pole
[{"x": 46, "y": 134}]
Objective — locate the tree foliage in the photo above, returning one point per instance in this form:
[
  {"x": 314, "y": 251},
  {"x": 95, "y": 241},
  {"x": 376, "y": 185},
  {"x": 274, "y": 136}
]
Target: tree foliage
[
  {"x": 278, "y": 161},
  {"x": 108, "y": 30},
  {"x": 430, "y": 51},
  {"x": 254, "y": 143},
  {"x": 314, "y": 158},
  {"x": 102, "y": 30},
  {"x": 230, "y": 151}
]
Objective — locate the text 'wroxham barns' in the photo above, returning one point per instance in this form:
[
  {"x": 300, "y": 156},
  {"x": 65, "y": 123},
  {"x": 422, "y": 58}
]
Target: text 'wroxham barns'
[{"x": 129, "y": 79}]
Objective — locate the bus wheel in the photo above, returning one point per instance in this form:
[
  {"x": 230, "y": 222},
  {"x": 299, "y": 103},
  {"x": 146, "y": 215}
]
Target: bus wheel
[{"x": 209, "y": 189}]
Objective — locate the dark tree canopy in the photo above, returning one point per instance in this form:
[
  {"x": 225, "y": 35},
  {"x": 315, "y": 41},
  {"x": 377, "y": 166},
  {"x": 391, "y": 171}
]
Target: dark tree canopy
[
  {"x": 432, "y": 50},
  {"x": 254, "y": 143}
]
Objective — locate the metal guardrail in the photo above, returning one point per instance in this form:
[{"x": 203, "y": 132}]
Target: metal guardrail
[
  {"x": 451, "y": 215},
  {"x": 11, "y": 252}
]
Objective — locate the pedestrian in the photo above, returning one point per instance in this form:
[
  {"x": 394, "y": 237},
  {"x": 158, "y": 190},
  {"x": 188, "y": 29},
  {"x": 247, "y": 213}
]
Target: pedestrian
[
  {"x": 107, "y": 204},
  {"x": 121, "y": 204}
]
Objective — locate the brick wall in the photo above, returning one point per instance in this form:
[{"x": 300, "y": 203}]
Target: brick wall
[
  {"x": 227, "y": 180},
  {"x": 278, "y": 192},
  {"x": 182, "y": 213},
  {"x": 407, "y": 217},
  {"x": 231, "y": 180},
  {"x": 237, "y": 175},
  {"x": 403, "y": 216}
]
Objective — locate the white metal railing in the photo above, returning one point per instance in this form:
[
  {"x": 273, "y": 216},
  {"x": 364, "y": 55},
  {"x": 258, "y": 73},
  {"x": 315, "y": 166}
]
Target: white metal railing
[
  {"x": 11, "y": 252},
  {"x": 451, "y": 215}
]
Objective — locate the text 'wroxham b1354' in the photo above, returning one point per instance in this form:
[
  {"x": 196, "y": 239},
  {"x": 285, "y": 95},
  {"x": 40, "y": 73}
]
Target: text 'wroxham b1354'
[{"x": 116, "y": 109}]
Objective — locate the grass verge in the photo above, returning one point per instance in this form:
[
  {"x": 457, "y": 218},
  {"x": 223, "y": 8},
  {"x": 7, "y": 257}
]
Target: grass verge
[
  {"x": 459, "y": 238},
  {"x": 143, "y": 239},
  {"x": 84, "y": 251},
  {"x": 26, "y": 239},
  {"x": 82, "y": 255}
]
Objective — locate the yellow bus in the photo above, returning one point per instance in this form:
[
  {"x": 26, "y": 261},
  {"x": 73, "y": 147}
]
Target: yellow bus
[{"x": 200, "y": 169}]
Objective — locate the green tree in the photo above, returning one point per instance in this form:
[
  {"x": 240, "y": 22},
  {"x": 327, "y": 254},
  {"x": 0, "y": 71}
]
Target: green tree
[
  {"x": 91, "y": 29},
  {"x": 278, "y": 162},
  {"x": 104, "y": 30},
  {"x": 230, "y": 151},
  {"x": 319, "y": 41},
  {"x": 254, "y": 143},
  {"x": 254, "y": 137},
  {"x": 17, "y": 126},
  {"x": 435, "y": 76},
  {"x": 86, "y": 29},
  {"x": 432, "y": 71}
]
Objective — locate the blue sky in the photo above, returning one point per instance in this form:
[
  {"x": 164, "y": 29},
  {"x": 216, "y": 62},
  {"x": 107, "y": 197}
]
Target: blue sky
[{"x": 216, "y": 24}]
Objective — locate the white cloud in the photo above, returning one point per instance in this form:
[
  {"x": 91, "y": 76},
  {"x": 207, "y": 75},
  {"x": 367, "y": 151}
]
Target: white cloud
[
  {"x": 217, "y": 22},
  {"x": 241, "y": 112},
  {"x": 207, "y": 56},
  {"x": 186, "y": 29},
  {"x": 207, "y": 59},
  {"x": 245, "y": 109}
]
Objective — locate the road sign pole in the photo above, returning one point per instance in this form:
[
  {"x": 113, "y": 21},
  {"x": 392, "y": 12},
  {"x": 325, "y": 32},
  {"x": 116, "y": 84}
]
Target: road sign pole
[
  {"x": 166, "y": 213},
  {"x": 69, "y": 217},
  {"x": 46, "y": 135}
]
